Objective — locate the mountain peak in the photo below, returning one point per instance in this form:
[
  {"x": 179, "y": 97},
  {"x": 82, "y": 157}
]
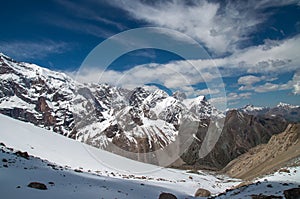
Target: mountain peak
[
  {"x": 194, "y": 101},
  {"x": 179, "y": 95},
  {"x": 3, "y": 56},
  {"x": 251, "y": 107},
  {"x": 286, "y": 105}
]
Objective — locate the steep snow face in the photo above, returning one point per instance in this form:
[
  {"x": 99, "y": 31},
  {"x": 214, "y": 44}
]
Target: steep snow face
[
  {"x": 115, "y": 172},
  {"x": 139, "y": 120}
]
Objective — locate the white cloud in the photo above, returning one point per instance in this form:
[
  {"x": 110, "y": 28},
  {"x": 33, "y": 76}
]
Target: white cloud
[
  {"x": 169, "y": 75},
  {"x": 296, "y": 83},
  {"x": 83, "y": 11},
  {"x": 180, "y": 75},
  {"x": 277, "y": 59},
  {"x": 219, "y": 28},
  {"x": 207, "y": 91},
  {"x": 33, "y": 49},
  {"x": 297, "y": 89},
  {"x": 267, "y": 87},
  {"x": 292, "y": 84},
  {"x": 249, "y": 79},
  {"x": 78, "y": 26},
  {"x": 231, "y": 98},
  {"x": 238, "y": 96}
]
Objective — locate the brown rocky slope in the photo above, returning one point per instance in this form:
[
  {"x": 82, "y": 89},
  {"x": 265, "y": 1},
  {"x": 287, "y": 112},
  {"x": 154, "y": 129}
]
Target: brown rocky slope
[
  {"x": 281, "y": 150},
  {"x": 240, "y": 133}
]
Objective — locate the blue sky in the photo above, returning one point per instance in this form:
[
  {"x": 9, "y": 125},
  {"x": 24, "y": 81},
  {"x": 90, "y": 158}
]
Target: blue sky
[{"x": 254, "y": 44}]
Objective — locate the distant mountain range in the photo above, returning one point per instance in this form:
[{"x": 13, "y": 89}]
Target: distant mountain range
[
  {"x": 287, "y": 111},
  {"x": 139, "y": 120}
]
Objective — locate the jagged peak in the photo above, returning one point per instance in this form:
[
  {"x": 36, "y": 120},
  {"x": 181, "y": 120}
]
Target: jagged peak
[
  {"x": 179, "y": 95},
  {"x": 161, "y": 93},
  {"x": 251, "y": 107},
  {"x": 3, "y": 56},
  {"x": 194, "y": 101}
]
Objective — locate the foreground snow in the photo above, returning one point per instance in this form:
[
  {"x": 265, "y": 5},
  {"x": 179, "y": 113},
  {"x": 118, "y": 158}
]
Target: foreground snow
[
  {"x": 271, "y": 185},
  {"x": 105, "y": 175},
  {"x": 115, "y": 172},
  {"x": 64, "y": 183}
]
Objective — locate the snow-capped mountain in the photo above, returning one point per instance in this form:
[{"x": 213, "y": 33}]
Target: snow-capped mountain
[
  {"x": 287, "y": 111},
  {"x": 137, "y": 121},
  {"x": 252, "y": 109},
  {"x": 37, "y": 95},
  {"x": 101, "y": 115},
  {"x": 286, "y": 105}
]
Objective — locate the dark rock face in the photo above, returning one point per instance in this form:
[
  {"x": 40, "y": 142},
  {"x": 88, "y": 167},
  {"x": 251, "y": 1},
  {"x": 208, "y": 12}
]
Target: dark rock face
[
  {"x": 167, "y": 196},
  {"x": 202, "y": 193},
  {"x": 240, "y": 133},
  {"x": 292, "y": 193},
  {"x": 37, "y": 185},
  {"x": 32, "y": 92},
  {"x": 265, "y": 197},
  {"x": 22, "y": 154},
  {"x": 137, "y": 96},
  {"x": 112, "y": 130}
]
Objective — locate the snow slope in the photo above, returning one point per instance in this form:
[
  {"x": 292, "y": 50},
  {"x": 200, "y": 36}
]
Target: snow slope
[
  {"x": 271, "y": 185},
  {"x": 105, "y": 175},
  {"x": 112, "y": 168},
  {"x": 65, "y": 183}
]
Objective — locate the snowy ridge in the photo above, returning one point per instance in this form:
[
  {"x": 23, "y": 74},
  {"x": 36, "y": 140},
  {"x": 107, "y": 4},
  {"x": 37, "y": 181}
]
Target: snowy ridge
[{"x": 97, "y": 114}]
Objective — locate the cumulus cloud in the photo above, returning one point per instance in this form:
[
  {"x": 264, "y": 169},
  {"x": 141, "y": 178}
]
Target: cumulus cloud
[
  {"x": 296, "y": 84},
  {"x": 278, "y": 59},
  {"x": 267, "y": 87},
  {"x": 297, "y": 89},
  {"x": 292, "y": 84},
  {"x": 238, "y": 96},
  {"x": 231, "y": 98},
  {"x": 180, "y": 75},
  {"x": 207, "y": 91},
  {"x": 249, "y": 79},
  {"x": 175, "y": 75}
]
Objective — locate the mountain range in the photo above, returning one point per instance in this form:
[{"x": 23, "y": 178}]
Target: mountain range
[{"x": 138, "y": 121}]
